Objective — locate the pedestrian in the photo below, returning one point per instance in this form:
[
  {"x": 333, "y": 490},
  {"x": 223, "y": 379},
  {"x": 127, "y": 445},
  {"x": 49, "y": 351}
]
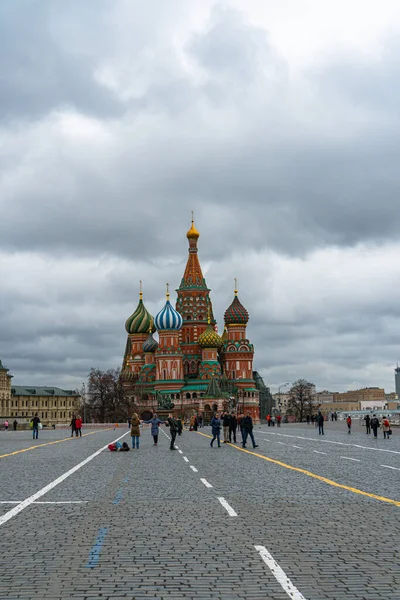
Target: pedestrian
[
  {"x": 320, "y": 422},
  {"x": 348, "y": 421},
  {"x": 6, "y": 425},
  {"x": 269, "y": 420},
  {"x": 135, "y": 431},
  {"x": 232, "y": 428},
  {"x": 78, "y": 426},
  {"x": 35, "y": 426},
  {"x": 191, "y": 424},
  {"x": 248, "y": 431},
  {"x": 15, "y": 424},
  {"x": 200, "y": 419},
  {"x": 195, "y": 423},
  {"x": 73, "y": 425},
  {"x": 375, "y": 426},
  {"x": 215, "y": 430},
  {"x": 335, "y": 415},
  {"x": 278, "y": 420},
  {"x": 180, "y": 425},
  {"x": 173, "y": 427},
  {"x": 155, "y": 422},
  {"x": 386, "y": 428},
  {"x": 367, "y": 420},
  {"x": 225, "y": 424},
  {"x": 129, "y": 423},
  {"x": 308, "y": 419}
]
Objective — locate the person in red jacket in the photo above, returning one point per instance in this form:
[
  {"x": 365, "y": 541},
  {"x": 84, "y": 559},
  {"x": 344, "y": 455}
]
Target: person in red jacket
[
  {"x": 278, "y": 420},
  {"x": 348, "y": 421},
  {"x": 78, "y": 426}
]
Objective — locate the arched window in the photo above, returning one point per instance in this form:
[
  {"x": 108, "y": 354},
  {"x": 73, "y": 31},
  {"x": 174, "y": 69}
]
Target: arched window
[
  {"x": 178, "y": 396},
  {"x": 194, "y": 395},
  {"x": 187, "y": 396},
  {"x": 172, "y": 396}
]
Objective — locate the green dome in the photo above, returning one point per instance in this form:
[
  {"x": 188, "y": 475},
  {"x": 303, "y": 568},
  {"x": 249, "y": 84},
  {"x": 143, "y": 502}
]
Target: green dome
[
  {"x": 210, "y": 338},
  {"x": 140, "y": 321}
]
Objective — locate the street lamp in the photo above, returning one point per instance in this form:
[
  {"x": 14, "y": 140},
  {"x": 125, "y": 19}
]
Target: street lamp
[{"x": 279, "y": 394}]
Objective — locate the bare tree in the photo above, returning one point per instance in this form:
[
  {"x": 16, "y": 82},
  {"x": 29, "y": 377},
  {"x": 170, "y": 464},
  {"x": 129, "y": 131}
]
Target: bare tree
[
  {"x": 107, "y": 399},
  {"x": 300, "y": 399}
]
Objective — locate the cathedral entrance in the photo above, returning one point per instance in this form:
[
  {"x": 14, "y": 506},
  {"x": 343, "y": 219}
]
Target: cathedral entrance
[{"x": 207, "y": 413}]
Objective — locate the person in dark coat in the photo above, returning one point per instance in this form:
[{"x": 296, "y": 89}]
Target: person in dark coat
[
  {"x": 35, "y": 426},
  {"x": 232, "y": 428},
  {"x": 247, "y": 425},
  {"x": 216, "y": 430},
  {"x": 15, "y": 424},
  {"x": 226, "y": 425},
  {"x": 195, "y": 423},
  {"x": 180, "y": 425},
  {"x": 367, "y": 420},
  {"x": 375, "y": 426},
  {"x": 73, "y": 425},
  {"x": 173, "y": 427},
  {"x": 135, "y": 431},
  {"x": 320, "y": 422},
  {"x": 155, "y": 422}
]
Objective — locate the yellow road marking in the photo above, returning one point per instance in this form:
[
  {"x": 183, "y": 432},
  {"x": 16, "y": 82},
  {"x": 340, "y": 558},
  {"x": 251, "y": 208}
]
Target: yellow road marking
[
  {"x": 50, "y": 443},
  {"x": 313, "y": 475}
]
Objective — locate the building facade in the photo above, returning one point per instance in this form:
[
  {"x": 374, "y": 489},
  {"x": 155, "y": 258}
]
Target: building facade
[
  {"x": 53, "y": 405},
  {"x": 191, "y": 366}
]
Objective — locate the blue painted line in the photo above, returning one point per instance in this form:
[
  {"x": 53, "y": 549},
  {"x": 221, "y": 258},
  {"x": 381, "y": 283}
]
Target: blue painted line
[
  {"x": 118, "y": 497},
  {"x": 94, "y": 553}
]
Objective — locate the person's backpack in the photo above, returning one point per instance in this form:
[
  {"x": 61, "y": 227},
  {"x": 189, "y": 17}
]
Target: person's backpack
[
  {"x": 124, "y": 447},
  {"x": 374, "y": 422}
]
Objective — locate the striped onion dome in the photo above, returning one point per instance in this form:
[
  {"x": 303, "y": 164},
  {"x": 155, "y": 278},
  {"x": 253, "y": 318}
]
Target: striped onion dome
[
  {"x": 236, "y": 314},
  {"x": 210, "y": 338},
  {"x": 168, "y": 317},
  {"x": 150, "y": 345},
  {"x": 139, "y": 321}
]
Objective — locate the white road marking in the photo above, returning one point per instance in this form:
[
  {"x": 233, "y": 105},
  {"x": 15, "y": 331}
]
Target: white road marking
[
  {"x": 180, "y": 451},
  {"x": 266, "y": 440},
  {"x": 299, "y": 447},
  {"x": 185, "y": 458},
  {"x": 318, "y": 452},
  {"x": 208, "y": 485},
  {"x": 227, "y": 507},
  {"x": 389, "y": 467},
  {"x": 301, "y": 437},
  {"x": 279, "y": 574},
  {"x": 281, "y": 443},
  {"x": 31, "y": 499},
  {"x": 40, "y": 502},
  {"x": 349, "y": 458},
  {"x": 193, "y": 468}
]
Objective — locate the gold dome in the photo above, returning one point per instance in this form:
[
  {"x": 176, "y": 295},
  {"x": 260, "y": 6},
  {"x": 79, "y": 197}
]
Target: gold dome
[
  {"x": 210, "y": 338},
  {"x": 193, "y": 234}
]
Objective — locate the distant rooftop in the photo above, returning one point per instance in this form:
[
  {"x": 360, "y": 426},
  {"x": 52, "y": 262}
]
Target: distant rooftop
[{"x": 30, "y": 390}]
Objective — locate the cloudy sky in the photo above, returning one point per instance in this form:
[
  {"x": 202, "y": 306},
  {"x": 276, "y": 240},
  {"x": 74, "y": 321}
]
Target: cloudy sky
[{"x": 277, "y": 122}]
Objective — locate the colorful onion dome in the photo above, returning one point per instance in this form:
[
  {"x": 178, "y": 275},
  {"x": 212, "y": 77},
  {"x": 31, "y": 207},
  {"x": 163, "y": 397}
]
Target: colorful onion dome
[
  {"x": 141, "y": 319},
  {"x": 150, "y": 345},
  {"x": 193, "y": 234},
  {"x": 168, "y": 317},
  {"x": 210, "y": 338},
  {"x": 236, "y": 314}
]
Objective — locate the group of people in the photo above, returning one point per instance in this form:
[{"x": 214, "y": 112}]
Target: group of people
[
  {"x": 230, "y": 424},
  {"x": 373, "y": 423},
  {"x": 76, "y": 426},
  {"x": 271, "y": 420}
]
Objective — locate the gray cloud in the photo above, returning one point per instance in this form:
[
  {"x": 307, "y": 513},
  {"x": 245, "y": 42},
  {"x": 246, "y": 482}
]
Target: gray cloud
[{"x": 113, "y": 128}]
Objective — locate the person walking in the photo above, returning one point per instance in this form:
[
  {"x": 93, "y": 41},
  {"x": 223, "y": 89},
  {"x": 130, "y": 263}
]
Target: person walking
[
  {"x": 385, "y": 428},
  {"x": 35, "y": 426},
  {"x": 135, "y": 431},
  {"x": 278, "y": 420},
  {"x": 173, "y": 427},
  {"x": 269, "y": 420},
  {"x": 375, "y": 426},
  {"x": 320, "y": 422},
  {"x": 73, "y": 425},
  {"x": 200, "y": 420},
  {"x": 308, "y": 419},
  {"x": 232, "y": 428},
  {"x": 348, "y": 421},
  {"x": 367, "y": 420},
  {"x": 248, "y": 431},
  {"x": 6, "y": 425},
  {"x": 15, "y": 424},
  {"x": 155, "y": 422},
  {"x": 225, "y": 424},
  {"x": 195, "y": 423},
  {"x": 215, "y": 430},
  {"x": 180, "y": 425},
  {"x": 78, "y": 426}
]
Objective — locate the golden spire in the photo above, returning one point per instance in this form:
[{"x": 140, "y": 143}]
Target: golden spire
[
  {"x": 151, "y": 326},
  {"x": 236, "y": 290},
  {"x": 193, "y": 234},
  {"x": 140, "y": 290},
  {"x": 167, "y": 295},
  {"x": 208, "y": 314}
]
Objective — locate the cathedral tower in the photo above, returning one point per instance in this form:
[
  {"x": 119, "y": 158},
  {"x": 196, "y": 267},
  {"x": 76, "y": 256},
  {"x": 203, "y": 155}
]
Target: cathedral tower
[{"x": 169, "y": 364}]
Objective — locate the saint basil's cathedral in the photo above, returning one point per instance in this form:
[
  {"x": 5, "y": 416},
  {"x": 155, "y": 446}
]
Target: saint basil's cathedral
[{"x": 191, "y": 367}]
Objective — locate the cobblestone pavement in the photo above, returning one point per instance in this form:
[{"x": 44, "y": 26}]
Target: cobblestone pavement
[{"x": 151, "y": 524}]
